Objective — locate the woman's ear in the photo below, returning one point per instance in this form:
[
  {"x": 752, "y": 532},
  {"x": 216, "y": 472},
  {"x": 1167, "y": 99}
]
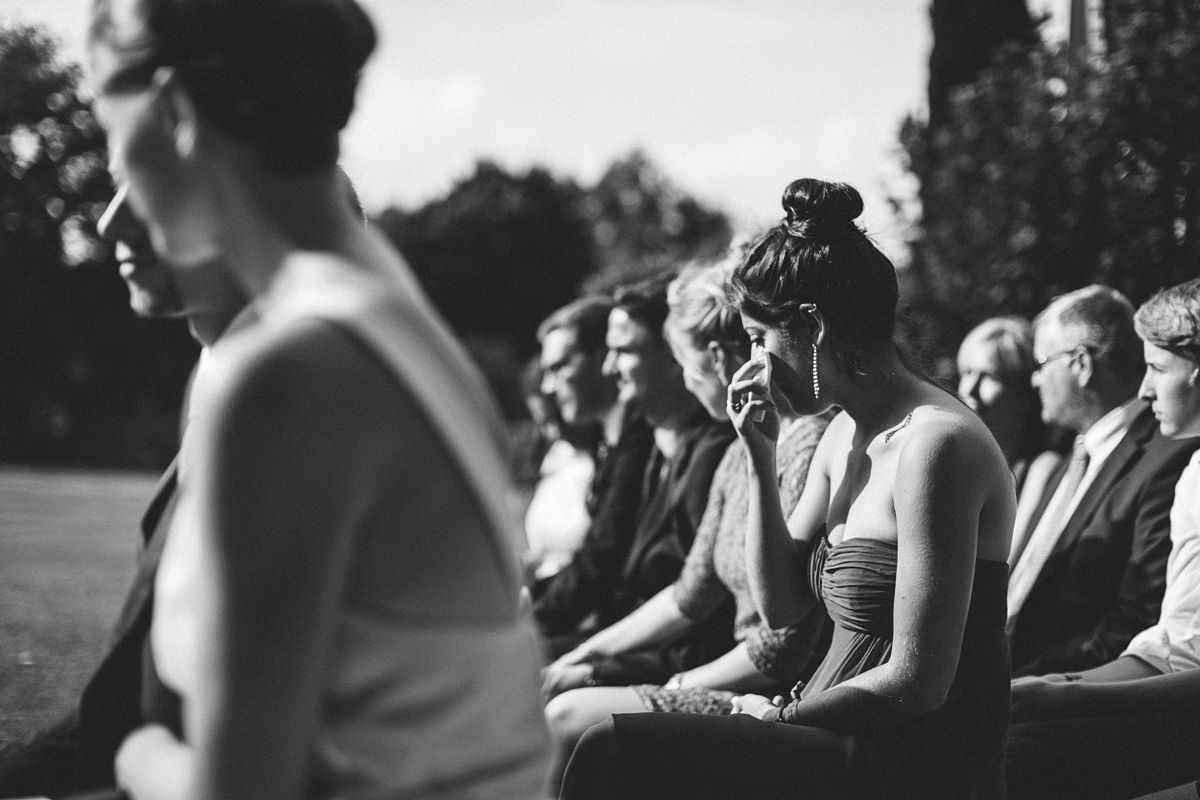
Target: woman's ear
[
  {"x": 812, "y": 318},
  {"x": 181, "y": 118}
]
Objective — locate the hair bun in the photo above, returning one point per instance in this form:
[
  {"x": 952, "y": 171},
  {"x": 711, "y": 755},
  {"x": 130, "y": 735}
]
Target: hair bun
[{"x": 818, "y": 209}]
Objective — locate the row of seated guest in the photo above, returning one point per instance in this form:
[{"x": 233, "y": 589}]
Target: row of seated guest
[
  {"x": 1115, "y": 510},
  {"x": 900, "y": 534},
  {"x": 707, "y": 339},
  {"x": 1091, "y": 535},
  {"x": 1088, "y": 566},
  {"x": 1131, "y": 725},
  {"x": 649, "y": 492}
]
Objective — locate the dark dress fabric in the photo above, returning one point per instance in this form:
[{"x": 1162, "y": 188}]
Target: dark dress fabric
[{"x": 953, "y": 752}]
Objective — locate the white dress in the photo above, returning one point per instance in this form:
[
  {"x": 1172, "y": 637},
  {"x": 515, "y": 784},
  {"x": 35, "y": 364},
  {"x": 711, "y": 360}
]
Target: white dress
[
  {"x": 412, "y": 706},
  {"x": 557, "y": 519}
]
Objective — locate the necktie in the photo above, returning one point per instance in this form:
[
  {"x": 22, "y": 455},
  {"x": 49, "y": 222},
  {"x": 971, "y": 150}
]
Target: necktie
[{"x": 1047, "y": 530}]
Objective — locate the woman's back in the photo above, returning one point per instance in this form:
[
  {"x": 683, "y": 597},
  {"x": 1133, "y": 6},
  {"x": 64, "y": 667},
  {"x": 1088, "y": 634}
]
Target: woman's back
[{"x": 384, "y": 440}]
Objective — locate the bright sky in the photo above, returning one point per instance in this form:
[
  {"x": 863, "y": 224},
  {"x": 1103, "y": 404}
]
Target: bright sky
[{"x": 731, "y": 99}]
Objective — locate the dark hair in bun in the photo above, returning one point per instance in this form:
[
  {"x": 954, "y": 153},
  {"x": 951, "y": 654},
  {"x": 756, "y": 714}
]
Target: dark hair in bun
[
  {"x": 819, "y": 255},
  {"x": 279, "y": 75}
]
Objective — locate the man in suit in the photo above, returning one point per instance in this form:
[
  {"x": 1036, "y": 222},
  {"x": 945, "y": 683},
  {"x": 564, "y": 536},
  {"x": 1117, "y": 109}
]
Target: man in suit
[
  {"x": 1088, "y": 572},
  {"x": 688, "y": 444},
  {"x": 77, "y": 754}
]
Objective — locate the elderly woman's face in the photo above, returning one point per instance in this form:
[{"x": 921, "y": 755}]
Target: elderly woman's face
[{"x": 985, "y": 389}]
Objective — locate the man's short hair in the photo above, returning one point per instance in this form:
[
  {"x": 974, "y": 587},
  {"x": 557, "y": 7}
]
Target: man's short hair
[
  {"x": 1100, "y": 319},
  {"x": 586, "y": 317},
  {"x": 645, "y": 301},
  {"x": 1171, "y": 320}
]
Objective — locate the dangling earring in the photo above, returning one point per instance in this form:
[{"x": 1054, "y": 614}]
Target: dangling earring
[{"x": 816, "y": 378}]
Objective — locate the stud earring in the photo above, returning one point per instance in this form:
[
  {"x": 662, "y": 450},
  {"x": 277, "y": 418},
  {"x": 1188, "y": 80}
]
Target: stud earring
[{"x": 816, "y": 378}]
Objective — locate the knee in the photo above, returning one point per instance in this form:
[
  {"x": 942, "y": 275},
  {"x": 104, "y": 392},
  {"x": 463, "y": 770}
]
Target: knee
[
  {"x": 565, "y": 716},
  {"x": 595, "y": 770}
]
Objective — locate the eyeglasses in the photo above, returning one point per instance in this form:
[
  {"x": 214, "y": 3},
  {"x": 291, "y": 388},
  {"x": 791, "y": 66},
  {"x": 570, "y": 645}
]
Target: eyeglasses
[{"x": 1044, "y": 360}]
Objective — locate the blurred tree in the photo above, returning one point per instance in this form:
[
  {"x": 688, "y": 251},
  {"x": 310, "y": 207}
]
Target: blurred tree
[
  {"x": 1030, "y": 189},
  {"x": 497, "y": 254},
  {"x": 642, "y": 221},
  {"x": 501, "y": 251},
  {"x": 967, "y": 34},
  {"x": 81, "y": 380}
]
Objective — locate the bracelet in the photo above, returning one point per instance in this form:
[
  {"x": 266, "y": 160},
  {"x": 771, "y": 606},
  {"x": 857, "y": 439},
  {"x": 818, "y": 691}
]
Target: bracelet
[{"x": 779, "y": 715}]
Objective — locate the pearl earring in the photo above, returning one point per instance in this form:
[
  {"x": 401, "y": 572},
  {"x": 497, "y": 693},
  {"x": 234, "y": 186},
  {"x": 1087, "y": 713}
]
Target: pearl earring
[{"x": 816, "y": 378}]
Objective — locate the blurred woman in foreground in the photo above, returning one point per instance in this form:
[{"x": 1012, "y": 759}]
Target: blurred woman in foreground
[
  {"x": 901, "y": 534},
  {"x": 337, "y": 602}
]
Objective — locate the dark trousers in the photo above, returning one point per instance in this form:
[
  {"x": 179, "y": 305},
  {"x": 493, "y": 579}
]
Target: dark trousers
[{"x": 1115, "y": 757}]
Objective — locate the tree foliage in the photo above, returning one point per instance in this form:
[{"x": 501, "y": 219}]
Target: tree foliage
[
  {"x": 641, "y": 221},
  {"x": 501, "y": 251},
  {"x": 1033, "y": 186},
  {"x": 81, "y": 380},
  {"x": 966, "y": 36}
]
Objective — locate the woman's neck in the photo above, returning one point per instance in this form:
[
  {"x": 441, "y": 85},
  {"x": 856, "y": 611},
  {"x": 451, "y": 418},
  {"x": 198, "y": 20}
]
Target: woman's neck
[
  {"x": 882, "y": 395},
  {"x": 268, "y": 217}
]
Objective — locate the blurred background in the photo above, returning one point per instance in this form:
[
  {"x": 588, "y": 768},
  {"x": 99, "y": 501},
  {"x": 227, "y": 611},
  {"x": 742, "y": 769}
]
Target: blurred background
[{"x": 519, "y": 153}]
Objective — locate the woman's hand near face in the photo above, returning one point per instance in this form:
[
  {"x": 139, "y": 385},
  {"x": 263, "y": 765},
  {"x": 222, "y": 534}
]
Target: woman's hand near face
[{"x": 752, "y": 413}]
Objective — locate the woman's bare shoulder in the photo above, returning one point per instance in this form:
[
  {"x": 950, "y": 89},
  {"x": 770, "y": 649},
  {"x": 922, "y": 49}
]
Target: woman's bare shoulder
[
  {"x": 946, "y": 438},
  {"x": 309, "y": 378}
]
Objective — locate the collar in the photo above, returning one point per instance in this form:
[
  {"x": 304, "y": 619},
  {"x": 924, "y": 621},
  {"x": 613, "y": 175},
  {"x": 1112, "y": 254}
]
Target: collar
[{"x": 1106, "y": 432}]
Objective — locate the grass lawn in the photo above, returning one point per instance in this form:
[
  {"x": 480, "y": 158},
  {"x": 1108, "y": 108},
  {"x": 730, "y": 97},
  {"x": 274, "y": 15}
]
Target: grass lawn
[{"x": 68, "y": 544}]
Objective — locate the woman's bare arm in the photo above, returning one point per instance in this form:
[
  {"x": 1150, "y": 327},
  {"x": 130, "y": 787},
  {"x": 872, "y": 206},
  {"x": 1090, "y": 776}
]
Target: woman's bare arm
[
  {"x": 286, "y": 486},
  {"x": 776, "y": 549},
  {"x": 938, "y": 494},
  {"x": 734, "y": 671},
  {"x": 656, "y": 620}
]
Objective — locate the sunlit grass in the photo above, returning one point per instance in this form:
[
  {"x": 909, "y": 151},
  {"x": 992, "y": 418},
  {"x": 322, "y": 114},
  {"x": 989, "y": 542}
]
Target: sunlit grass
[{"x": 68, "y": 544}]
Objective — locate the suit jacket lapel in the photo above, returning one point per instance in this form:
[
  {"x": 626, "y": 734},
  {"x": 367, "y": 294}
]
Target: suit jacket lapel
[
  {"x": 1122, "y": 459},
  {"x": 163, "y": 493},
  {"x": 1048, "y": 492},
  {"x": 154, "y": 524}
]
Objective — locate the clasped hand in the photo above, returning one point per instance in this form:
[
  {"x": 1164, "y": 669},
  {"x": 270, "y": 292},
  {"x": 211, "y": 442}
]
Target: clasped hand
[{"x": 757, "y": 706}]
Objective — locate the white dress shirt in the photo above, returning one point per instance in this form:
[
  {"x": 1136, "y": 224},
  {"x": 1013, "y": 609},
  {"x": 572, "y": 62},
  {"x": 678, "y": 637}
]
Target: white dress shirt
[{"x": 1174, "y": 643}]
